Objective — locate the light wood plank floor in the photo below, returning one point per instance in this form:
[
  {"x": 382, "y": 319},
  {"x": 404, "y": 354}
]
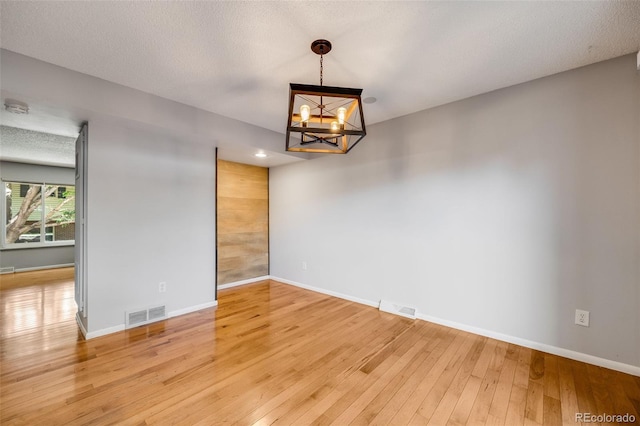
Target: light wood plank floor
[{"x": 276, "y": 354}]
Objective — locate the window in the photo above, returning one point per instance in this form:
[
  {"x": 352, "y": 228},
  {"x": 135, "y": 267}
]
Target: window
[
  {"x": 38, "y": 214},
  {"x": 24, "y": 189},
  {"x": 59, "y": 193}
]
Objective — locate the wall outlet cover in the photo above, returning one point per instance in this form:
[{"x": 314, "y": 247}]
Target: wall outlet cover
[{"x": 582, "y": 317}]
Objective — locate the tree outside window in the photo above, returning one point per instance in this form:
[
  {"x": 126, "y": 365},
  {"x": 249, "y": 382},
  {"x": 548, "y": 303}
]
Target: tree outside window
[{"x": 39, "y": 213}]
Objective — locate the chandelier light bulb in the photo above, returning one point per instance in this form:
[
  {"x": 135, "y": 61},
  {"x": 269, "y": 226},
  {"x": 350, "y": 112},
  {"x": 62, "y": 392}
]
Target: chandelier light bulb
[
  {"x": 334, "y": 126},
  {"x": 342, "y": 113},
  {"x": 305, "y": 113}
]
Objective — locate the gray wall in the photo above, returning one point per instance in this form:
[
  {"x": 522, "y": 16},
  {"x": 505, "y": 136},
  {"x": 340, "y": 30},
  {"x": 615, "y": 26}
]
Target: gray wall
[
  {"x": 40, "y": 257},
  {"x": 151, "y": 219},
  {"x": 504, "y": 212},
  {"x": 151, "y": 187}
]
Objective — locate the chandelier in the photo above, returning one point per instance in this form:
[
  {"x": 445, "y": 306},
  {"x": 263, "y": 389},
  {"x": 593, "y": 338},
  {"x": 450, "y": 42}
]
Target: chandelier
[{"x": 324, "y": 119}]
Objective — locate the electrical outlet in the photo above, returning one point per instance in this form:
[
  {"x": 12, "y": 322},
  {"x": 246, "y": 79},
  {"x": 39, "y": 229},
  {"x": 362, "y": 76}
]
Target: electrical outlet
[
  {"x": 304, "y": 266},
  {"x": 162, "y": 287},
  {"x": 582, "y": 318}
]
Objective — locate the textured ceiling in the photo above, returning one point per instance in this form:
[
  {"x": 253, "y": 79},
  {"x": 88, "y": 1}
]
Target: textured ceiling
[
  {"x": 237, "y": 58},
  {"x": 26, "y": 146}
]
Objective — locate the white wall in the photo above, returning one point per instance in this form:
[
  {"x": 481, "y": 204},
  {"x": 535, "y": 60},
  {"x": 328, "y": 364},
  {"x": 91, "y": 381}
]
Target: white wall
[
  {"x": 151, "y": 218},
  {"x": 144, "y": 153},
  {"x": 81, "y": 97},
  {"x": 22, "y": 172},
  {"x": 504, "y": 212}
]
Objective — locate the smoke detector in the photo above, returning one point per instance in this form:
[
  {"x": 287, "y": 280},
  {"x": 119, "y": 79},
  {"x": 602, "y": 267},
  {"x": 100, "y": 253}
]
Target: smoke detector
[{"x": 16, "y": 107}]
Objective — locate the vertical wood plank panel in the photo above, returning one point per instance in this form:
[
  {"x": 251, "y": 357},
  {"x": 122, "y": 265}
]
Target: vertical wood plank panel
[{"x": 242, "y": 221}]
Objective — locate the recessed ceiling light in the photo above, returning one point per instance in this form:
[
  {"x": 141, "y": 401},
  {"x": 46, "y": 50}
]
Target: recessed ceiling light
[
  {"x": 16, "y": 107},
  {"x": 369, "y": 100},
  {"x": 260, "y": 155}
]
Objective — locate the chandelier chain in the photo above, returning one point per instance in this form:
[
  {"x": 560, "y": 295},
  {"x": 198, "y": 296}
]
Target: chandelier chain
[{"x": 321, "y": 69}]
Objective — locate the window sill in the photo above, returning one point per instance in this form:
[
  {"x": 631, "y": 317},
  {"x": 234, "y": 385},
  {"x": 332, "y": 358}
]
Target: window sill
[{"x": 38, "y": 245}]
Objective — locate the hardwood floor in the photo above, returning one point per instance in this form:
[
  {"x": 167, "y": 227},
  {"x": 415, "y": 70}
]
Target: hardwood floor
[{"x": 273, "y": 353}]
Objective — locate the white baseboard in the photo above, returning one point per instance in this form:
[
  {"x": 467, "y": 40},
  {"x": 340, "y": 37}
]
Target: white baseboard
[
  {"x": 97, "y": 333},
  {"x": 567, "y": 353},
  {"x": 104, "y": 331},
  {"x": 39, "y": 268},
  {"x": 195, "y": 308},
  {"x": 555, "y": 350},
  {"x": 81, "y": 325},
  {"x": 121, "y": 327},
  {"x": 243, "y": 282},
  {"x": 328, "y": 292}
]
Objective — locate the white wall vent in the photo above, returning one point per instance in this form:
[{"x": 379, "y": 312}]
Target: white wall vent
[
  {"x": 7, "y": 270},
  {"x": 145, "y": 316},
  {"x": 397, "y": 309},
  {"x": 159, "y": 312}
]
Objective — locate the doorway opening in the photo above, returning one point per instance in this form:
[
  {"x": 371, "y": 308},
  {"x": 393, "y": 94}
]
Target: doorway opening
[{"x": 37, "y": 232}]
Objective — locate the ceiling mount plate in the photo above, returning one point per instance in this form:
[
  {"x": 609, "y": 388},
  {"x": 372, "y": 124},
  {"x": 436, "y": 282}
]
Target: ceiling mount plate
[
  {"x": 321, "y": 47},
  {"x": 16, "y": 107}
]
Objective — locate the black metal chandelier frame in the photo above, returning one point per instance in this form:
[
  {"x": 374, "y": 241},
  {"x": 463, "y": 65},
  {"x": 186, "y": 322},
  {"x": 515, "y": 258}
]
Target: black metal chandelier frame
[{"x": 338, "y": 124}]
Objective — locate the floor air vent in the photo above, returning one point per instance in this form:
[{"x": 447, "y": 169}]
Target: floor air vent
[
  {"x": 157, "y": 313},
  {"x": 394, "y": 308},
  {"x": 145, "y": 316},
  {"x": 7, "y": 270}
]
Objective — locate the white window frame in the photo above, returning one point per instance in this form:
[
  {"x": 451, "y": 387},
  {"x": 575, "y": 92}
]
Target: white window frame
[{"x": 3, "y": 215}]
